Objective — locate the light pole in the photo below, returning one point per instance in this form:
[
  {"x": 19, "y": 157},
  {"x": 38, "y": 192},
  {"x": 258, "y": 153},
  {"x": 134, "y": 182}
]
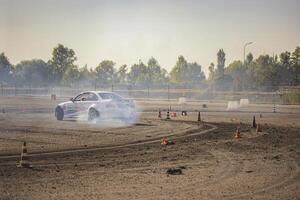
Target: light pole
[
  {"x": 248, "y": 43},
  {"x": 12, "y": 73}
]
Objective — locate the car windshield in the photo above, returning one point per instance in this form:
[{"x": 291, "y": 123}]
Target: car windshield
[{"x": 110, "y": 96}]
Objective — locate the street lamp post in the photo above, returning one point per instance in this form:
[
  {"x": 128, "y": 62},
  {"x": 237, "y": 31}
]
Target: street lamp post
[
  {"x": 12, "y": 73},
  {"x": 248, "y": 43}
]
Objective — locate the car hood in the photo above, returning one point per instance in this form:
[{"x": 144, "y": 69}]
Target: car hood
[{"x": 63, "y": 103}]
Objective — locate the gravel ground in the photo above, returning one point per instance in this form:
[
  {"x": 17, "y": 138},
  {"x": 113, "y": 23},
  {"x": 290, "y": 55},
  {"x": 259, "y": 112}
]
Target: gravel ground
[{"x": 79, "y": 160}]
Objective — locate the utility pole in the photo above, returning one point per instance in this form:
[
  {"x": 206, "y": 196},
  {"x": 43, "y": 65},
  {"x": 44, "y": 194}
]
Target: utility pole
[{"x": 168, "y": 92}]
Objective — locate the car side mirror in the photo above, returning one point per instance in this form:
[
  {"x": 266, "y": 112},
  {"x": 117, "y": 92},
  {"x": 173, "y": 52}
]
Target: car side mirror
[{"x": 71, "y": 99}]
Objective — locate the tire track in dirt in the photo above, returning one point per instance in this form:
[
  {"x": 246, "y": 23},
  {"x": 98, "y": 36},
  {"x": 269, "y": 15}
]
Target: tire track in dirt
[
  {"x": 293, "y": 169},
  {"x": 109, "y": 147}
]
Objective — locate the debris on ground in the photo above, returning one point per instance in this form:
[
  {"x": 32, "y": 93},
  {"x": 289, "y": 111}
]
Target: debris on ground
[
  {"x": 276, "y": 158},
  {"x": 166, "y": 141},
  {"x": 174, "y": 171}
]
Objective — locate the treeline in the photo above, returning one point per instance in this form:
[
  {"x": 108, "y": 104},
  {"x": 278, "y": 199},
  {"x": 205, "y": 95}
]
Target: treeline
[
  {"x": 263, "y": 73},
  {"x": 61, "y": 70}
]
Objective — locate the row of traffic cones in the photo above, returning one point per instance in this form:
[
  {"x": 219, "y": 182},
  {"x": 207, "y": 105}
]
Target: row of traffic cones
[
  {"x": 173, "y": 114},
  {"x": 24, "y": 162},
  {"x": 254, "y": 125}
]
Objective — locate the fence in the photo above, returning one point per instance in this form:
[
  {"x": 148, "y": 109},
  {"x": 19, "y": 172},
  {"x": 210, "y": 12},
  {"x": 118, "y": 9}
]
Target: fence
[{"x": 167, "y": 93}]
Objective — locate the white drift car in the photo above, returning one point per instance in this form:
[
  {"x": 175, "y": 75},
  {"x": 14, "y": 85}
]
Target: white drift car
[{"x": 95, "y": 105}]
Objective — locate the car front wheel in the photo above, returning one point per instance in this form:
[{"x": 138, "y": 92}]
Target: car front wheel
[
  {"x": 59, "y": 113},
  {"x": 93, "y": 114}
]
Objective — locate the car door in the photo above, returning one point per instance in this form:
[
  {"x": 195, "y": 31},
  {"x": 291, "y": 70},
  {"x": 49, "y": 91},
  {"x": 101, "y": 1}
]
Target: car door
[
  {"x": 89, "y": 99},
  {"x": 72, "y": 108}
]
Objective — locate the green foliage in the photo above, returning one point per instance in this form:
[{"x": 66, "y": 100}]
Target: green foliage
[
  {"x": 178, "y": 73},
  {"x": 266, "y": 71},
  {"x": 71, "y": 75},
  {"x": 147, "y": 75},
  {"x": 249, "y": 59},
  {"x": 184, "y": 73},
  {"x": 5, "y": 68},
  {"x": 105, "y": 72},
  {"x": 295, "y": 66},
  {"x": 62, "y": 61},
  {"x": 211, "y": 70},
  {"x": 122, "y": 74},
  {"x": 254, "y": 74},
  {"x": 221, "y": 63},
  {"x": 34, "y": 73},
  {"x": 156, "y": 74},
  {"x": 237, "y": 72},
  {"x": 292, "y": 97},
  {"x": 138, "y": 74}
]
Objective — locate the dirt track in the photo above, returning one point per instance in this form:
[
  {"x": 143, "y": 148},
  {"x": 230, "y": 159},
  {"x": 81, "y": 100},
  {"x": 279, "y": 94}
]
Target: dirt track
[{"x": 130, "y": 163}]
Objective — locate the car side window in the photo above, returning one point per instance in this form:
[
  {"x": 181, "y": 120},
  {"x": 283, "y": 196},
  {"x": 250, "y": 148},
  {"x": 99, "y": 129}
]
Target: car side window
[
  {"x": 82, "y": 97},
  {"x": 105, "y": 95},
  {"x": 116, "y": 97},
  {"x": 78, "y": 98},
  {"x": 110, "y": 96},
  {"x": 92, "y": 97}
]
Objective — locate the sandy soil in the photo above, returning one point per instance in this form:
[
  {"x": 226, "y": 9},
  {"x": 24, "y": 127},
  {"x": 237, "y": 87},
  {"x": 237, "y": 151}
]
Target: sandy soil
[{"x": 78, "y": 160}]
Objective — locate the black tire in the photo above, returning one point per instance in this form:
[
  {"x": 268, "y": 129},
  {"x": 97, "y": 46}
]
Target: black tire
[
  {"x": 59, "y": 113},
  {"x": 93, "y": 114}
]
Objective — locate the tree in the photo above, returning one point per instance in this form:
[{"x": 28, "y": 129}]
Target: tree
[
  {"x": 189, "y": 74},
  {"x": 62, "y": 59},
  {"x": 265, "y": 72},
  {"x": 249, "y": 59},
  {"x": 194, "y": 75},
  {"x": 5, "y": 68},
  {"x": 221, "y": 63},
  {"x": 211, "y": 70},
  {"x": 138, "y": 74},
  {"x": 105, "y": 72},
  {"x": 71, "y": 75},
  {"x": 285, "y": 70},
  {"x": 237, "y": 72},
  {"x": 122, "y": 74},
  {"x": 156, "y": 74},
  {"x": 34, "y": 72},
  {"x": 86, "y": 76},
  {"x": 295, "y": 64},
  {"x": 178, "y": 72}
]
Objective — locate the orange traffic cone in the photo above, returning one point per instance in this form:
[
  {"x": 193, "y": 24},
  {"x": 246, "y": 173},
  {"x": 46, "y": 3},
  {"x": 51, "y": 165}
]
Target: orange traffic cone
[
  {"x": 258, "y": 128},
  {"x": 164, "y": 141},
  {"x": 24, "y": 162},
  {"x": 237, "y": 133},
  {"x": 173, "y": 114}
]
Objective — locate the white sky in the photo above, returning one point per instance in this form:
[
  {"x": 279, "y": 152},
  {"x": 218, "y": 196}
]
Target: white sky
[{"x": 126, "y": 31}]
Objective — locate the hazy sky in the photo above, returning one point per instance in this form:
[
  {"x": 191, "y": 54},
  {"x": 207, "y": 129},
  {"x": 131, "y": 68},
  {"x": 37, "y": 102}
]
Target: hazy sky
[{"x": 126, "y": 31}]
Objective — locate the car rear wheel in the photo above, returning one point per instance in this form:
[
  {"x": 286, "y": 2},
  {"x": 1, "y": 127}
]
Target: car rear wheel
[
  {"x": 93, "y": 114},
  {"x": 131, "y": 119},
  {"x": 59, "y": 113}
]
